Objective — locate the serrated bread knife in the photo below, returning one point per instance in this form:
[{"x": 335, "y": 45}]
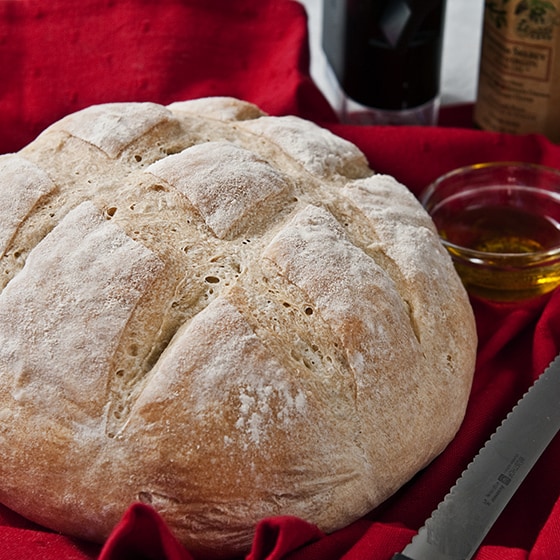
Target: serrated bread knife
[{"x": 461, "y": 521}]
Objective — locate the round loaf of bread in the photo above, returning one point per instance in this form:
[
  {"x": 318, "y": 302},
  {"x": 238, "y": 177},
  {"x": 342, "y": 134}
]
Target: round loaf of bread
[{"x": 223, "y": 314}]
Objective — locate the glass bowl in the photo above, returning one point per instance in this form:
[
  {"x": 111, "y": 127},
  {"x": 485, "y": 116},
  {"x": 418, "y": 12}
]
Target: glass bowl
[{"x": 500, "y": 222}]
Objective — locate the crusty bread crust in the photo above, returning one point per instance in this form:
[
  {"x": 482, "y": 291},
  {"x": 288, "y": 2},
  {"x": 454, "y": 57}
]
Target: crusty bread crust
[{"x": 223, "y": 314}]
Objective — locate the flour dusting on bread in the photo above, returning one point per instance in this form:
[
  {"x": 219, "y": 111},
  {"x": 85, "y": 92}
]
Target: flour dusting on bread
[{"x": 224, "y": 314}]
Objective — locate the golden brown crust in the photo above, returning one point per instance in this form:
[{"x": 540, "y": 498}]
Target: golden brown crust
[{"x": 223, "y": 314}]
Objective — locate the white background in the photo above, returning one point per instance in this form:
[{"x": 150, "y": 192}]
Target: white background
[{"x": 461, "y": 50}]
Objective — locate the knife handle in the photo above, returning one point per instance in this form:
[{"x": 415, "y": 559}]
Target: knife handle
[{"x": 401, "y": 557}]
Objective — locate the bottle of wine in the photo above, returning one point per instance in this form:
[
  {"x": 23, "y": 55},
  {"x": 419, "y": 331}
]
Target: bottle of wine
[{"x": 386, "y": 58}]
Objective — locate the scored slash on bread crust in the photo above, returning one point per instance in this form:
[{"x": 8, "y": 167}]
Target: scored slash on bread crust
[{"x": 226, "y": 315}]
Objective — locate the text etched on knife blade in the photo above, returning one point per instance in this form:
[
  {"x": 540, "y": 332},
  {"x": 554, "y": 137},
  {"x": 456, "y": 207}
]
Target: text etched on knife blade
[{"x": 503, "y": 479}]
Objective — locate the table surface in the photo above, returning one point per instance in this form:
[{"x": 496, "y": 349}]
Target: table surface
[{"x": 461, "y": 51}]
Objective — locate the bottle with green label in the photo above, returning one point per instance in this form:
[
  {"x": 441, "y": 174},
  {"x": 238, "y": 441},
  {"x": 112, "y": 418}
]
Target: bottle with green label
[{"x": 519, "y": 79}]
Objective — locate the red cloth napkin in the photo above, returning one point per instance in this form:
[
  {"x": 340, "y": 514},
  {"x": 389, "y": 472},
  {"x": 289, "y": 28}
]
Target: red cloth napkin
[{"x": 60, "y": 56}]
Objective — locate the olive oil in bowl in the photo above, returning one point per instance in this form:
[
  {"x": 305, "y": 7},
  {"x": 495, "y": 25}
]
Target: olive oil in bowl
[{"x": 501, "y": 227}]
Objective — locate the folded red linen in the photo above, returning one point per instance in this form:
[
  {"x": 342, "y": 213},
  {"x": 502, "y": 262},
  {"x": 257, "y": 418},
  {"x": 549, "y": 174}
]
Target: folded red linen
[{"x": 59, "y": 56}]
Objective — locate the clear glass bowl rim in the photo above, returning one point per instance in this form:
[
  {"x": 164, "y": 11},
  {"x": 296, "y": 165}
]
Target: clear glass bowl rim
[{"x": 487, "y": 257}]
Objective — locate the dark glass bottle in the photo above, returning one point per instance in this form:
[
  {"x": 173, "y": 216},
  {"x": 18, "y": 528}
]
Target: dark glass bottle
[{"x": 386, "y": 57}]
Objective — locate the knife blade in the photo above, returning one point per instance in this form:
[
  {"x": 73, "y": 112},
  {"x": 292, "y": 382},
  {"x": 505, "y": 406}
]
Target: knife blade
[{"x": 457, "y": 527}]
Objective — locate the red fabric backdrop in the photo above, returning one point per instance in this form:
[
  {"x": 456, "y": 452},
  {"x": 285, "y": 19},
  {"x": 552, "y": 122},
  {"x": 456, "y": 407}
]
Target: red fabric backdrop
[{"x": 59, "y": 56}]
